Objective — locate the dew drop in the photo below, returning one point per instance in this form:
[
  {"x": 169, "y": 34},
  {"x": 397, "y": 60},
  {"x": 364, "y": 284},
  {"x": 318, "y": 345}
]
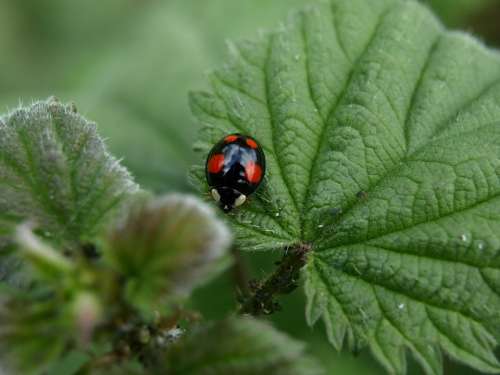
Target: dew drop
[
  {"x": 480, "y": 245},
  {"x": 401, "y": 306},
  {"x": 277, "y": 214},
  {"x": 321, "y": 226},
  {"x": 464, "y": 237}
]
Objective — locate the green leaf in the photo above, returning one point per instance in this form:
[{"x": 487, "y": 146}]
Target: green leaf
[
  {"x": 167, "y": 246},
  {"x": 382, "y": 134},
  {"x": 458, "y": 12},
  {"x": 56, "y": 171},
  {"x": 49, "y": 263},
  {"x": 242, "y": 346},
  {"x": 33, "y": 333},
  {"x": 39, "y": 325}
]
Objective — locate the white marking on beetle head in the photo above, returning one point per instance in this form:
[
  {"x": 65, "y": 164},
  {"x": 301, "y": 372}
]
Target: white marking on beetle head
[
  {"x": 215, "y": 195},
  {"x": 240, "y": 200}
]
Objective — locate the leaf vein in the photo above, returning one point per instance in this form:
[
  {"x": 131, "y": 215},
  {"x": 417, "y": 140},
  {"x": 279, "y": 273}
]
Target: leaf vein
[
  {"x": 332, "y": 110},
  {"x": 273, "y": 131},
  {"x": 473, "y": 206},
  {"x": 418, "y": 85},
  {"x": 413, "y": 298}
]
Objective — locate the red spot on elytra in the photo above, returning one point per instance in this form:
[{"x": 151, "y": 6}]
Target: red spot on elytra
[
  {"x": 231, "y": 138},
  {"x": 216, "y": 163},
  {"x": 252, "y": 143},
  {"x": 253, "y": 172}
]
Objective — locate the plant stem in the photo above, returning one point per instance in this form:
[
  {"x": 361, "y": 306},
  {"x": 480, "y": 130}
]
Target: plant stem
[{"x": 282, "y": 281}]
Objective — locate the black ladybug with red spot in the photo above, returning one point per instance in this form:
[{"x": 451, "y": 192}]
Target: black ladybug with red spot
[{"x": 235, "y": 168}]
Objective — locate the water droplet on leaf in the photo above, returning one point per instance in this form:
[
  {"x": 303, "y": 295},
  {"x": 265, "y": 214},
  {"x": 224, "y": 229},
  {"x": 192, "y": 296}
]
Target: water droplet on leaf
[{"x": 480, "y": 245}]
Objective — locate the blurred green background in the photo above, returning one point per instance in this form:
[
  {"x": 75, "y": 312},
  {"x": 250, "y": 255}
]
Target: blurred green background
[{"x": 128, "y": 65}]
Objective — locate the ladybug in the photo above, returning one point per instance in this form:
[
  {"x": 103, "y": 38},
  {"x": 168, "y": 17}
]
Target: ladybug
[{"x": 234, "y": 169}]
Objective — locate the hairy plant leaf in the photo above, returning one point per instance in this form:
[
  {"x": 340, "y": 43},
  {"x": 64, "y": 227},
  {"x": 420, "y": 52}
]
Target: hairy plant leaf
[
  {"x": 167, "y": 246},
  {"x": 37, "y": 325},
  {"x": 382, "y": 137},
  {"x": 33, "y": 333},
  {"x": 241, "y": 346},
  {"x": 50, "y": 264},
  {"x": 55, "y": 170},
  {"x": 37, "y": 328}
]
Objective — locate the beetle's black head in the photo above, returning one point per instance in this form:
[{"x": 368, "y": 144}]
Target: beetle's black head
[{"x": 228, "y": 198}]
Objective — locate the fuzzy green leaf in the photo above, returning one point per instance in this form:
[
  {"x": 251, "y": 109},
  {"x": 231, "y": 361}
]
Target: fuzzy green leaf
[
  {"x": 242, "y": 346},
  {"x": 382, "y": 134},
  {"x": 55, "y": 171},
  {"x": 46, "y": 261},
  {"x": 33, "y": 333},
  {"x": 167, "y": 246},
  {"x": 39, "y": 325}
]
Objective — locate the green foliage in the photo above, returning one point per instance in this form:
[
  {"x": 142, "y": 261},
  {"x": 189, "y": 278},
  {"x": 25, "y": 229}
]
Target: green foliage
[
  {"x": 70, "y": 364},
  {"x": 56, "y": 171},
  {"x": 381, "y": 134},
  {"x": 117, "y": 295},
  {"x": 33, "y": 331},
  {"x": 37, "y": 325},
  {"x": 47, "y": 263},
  {"x": 128, "y": 368},
  {"x": 167, "y": 247},
  {"x": 38, "y": 328},
  {"x": 457, "y": 12},
  {"x": 242, "y": 346},
  {"x": 158, "y": 251},
  {"x": 129, "y": 65},
  {"x": 403, "y": 228}
]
